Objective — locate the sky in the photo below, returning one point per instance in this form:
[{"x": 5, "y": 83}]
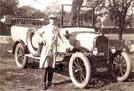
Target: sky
[{"x": 42, "y": 4}]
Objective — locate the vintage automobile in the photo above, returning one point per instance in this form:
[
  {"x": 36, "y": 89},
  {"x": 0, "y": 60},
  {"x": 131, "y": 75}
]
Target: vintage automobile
[{"x": 92, "y": 53}]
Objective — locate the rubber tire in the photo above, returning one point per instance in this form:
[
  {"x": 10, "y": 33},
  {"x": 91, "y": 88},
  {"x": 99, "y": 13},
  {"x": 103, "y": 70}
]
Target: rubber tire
[
  {"x": 88, "y": 70},
  {"x": 31, "y": 49},
  {"x": 23, "y": 64},
  {"x": 125, "y": 76}
]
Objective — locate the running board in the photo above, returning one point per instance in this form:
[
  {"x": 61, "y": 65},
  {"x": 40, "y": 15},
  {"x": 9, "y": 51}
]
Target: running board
[
  {"x": 38, "y": 58},
  {"x": 31, "y": 56}
]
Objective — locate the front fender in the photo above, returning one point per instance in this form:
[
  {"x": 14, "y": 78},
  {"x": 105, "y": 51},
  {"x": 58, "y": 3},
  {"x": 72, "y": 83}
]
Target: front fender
[
  {"x": 119, "y": 45},
  {"x": 83, "y": 50}
]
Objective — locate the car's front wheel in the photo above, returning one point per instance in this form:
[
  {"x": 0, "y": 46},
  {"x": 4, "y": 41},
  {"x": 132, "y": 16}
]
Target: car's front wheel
[
  {"x": 121, "y": 66},
  {"x": 79, "y": 70},
  {"x": 20, "y": 58}
]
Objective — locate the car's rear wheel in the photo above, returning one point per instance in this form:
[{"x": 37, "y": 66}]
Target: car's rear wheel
[
  {"x": 20, "y": 58},
  {"x": 121, "y": 66},
  {"x": 79, "y": 70}
]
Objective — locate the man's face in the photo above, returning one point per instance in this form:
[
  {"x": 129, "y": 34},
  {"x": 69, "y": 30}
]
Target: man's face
[{"x": 52, "y": 21}]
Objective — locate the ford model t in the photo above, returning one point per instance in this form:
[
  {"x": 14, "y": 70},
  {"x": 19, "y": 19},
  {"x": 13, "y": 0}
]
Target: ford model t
[{"x": 92, "y": 52}]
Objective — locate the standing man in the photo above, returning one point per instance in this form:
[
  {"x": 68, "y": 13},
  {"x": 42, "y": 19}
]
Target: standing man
[
  {"x": 76, "y": 5},
  {"x": 49, "y": 39}
]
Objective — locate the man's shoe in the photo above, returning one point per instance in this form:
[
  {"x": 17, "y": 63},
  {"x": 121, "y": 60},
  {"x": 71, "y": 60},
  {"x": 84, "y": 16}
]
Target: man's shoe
[
  {"x": 44, "y": 87},
  {"x": 49, "y": 84}
]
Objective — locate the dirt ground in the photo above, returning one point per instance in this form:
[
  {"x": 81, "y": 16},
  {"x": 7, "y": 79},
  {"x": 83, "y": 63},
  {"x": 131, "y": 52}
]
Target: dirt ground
[{"x": 29, "y": 79}]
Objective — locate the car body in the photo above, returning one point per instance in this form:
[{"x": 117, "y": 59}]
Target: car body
[{"x": 92, "y": 52}]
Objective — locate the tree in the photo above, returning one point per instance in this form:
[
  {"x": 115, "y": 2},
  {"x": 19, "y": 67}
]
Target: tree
[
  {"x": 76, "y": 4},
  {"x": 39, "y": 14},
  {"x": 118, "y": 10},
  {"x": 100, "y": 12},
  {"x": 27, "y": 11},
  {"x": 8, "y": 7}
]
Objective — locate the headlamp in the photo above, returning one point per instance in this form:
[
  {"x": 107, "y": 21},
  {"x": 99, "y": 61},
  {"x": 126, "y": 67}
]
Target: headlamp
[
  {"x": 95, "y": 51},
  {"x": 113, "y": 49}
]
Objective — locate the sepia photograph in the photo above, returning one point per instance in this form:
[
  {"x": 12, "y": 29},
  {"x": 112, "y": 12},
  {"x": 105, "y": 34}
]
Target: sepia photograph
[{"x": 66, "y": 45}]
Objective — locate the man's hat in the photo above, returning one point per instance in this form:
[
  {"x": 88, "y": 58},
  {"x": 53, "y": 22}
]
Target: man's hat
[{"x": 52, "y": 17}]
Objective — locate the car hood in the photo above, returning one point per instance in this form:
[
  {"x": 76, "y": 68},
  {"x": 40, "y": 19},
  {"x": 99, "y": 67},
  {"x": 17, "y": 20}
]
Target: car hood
[
  {"x": 78, "y": 29},
  {"x": 81, "y": 37},
  {"x": 86, "y": 40},
  {"x": 81, "y": 33}
]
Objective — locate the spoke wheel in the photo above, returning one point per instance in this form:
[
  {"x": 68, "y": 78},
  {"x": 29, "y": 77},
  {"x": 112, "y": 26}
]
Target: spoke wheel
[
  {"x": 79, "y": 70},
  {"x": 20, "y": 56},
  {"x": 121, "y": 67}
]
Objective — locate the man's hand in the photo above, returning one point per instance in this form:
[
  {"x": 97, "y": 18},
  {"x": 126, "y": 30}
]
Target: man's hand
[{"x": 71, "y": 47}]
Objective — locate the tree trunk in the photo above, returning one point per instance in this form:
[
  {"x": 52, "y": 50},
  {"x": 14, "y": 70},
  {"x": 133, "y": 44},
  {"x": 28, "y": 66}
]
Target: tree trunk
[
  {"x": 120, "y": 35},
  {"x": 121, "y": 29},
  {"x": 76, "y": 4}
]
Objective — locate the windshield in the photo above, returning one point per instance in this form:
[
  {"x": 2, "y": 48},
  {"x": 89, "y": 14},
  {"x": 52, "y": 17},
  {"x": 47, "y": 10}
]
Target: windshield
[{"x": 83, "y": 18}]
